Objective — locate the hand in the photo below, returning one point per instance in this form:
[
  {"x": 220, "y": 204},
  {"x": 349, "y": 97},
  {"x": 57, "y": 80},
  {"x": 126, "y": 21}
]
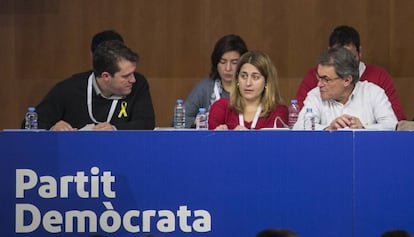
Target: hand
[
  {"x": 344, "y": 121},
  {"x": 62, "y": 126},
  {"x": 355, "y": 123},
  {"x": 103, "y": 127},
  {"x": 240, "y": 128},
  {"x": 222, "y": 127}
]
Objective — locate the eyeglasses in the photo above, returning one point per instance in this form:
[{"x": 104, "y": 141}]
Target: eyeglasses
[
  {"x": 255, "y": 76},
  {"x": 325, "y": 80}
]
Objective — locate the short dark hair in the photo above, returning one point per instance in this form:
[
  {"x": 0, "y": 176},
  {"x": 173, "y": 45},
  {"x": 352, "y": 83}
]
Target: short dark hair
[
  {"x": 103, "y": 36},
  {"x": 343, "y": 61},
  {"x": 277, "y": 233},
  {"x": 225, "y": 44},
  {"x": 344, "y": 35},
  {"x": 108, "y": 54},
  {"x": 396, "y": 233}
]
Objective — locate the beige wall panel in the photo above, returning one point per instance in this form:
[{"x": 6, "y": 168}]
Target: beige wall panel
[
  {"x": 402, "y": 38},
  {"x": 8, "y": 96},
  {"x": 45, "y": 41},
  {"x": 405, "y": 89}
]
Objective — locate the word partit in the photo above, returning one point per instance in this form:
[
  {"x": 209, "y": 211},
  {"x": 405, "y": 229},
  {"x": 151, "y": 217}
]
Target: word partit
[{"x": 49, "y": 187}]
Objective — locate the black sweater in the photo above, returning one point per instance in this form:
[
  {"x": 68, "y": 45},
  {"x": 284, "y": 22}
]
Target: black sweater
[{"x": 67, "y": 101}]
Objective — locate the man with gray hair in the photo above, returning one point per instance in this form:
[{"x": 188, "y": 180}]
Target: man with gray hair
[{"x": 341, "y": 101}]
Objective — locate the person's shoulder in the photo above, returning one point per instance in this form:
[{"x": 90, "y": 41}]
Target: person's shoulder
[
  {"x": 281, "y": 107},
  {"x": 374, "y": 70},
  {"x": 314, "y": 91},
  {"x": 203, "y": 87},
  {"x": 310, "y": 74},
  {"x": 140, "y": 78},
  {"x": 140, "y": 81},
  {"x": 75, "y": 78},
  {"x": 312, "y": 71},
  {"x": 371, "y": 67},
  {"x": 138, "y": 75},
  {"x": 314, "y": 96},
  {"x": 309, "y": 79},
  {"x": 205, "y": 83},
  {"x": 75, "y": 82},
  {"x": 82, "y": 74},
  {"x": 369, "y": 86},
  {"x": 222, "y": 102}
]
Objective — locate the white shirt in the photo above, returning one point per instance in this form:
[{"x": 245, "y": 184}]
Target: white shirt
[{"x": 368, "y": 102}]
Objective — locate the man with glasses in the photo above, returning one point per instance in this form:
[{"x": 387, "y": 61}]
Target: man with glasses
[
  {"x": 348, "y": 37},
  {"x": 341, "y": 101}
]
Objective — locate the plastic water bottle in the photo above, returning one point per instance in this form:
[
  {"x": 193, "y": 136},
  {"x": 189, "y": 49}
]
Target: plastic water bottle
[
  {"x": 201, "y": 119},
  {"x": 31, "y": 118},
  {"x": 179, "y": 114},
  {"x": 309, "y": 120},
  {"x": 293, "y": 113}
]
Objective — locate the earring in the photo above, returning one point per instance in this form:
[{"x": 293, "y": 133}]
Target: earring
[{"x": 237, "y": 84}]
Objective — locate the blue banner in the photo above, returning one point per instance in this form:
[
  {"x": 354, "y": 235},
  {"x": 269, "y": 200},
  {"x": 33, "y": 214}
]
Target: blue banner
[
  {"x": 384, "y": 187},
  {"x": 204, "y": 183}
]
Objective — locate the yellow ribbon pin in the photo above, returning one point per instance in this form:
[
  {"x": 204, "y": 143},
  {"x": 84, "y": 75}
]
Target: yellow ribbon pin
[{"x": 123, "y": 110}]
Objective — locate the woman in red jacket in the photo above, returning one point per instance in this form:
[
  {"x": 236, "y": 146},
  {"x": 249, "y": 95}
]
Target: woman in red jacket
[{"x": 255, "y": 100}]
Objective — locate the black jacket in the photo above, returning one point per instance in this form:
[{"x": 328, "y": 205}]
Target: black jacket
[{"x": 67, "y": 101}]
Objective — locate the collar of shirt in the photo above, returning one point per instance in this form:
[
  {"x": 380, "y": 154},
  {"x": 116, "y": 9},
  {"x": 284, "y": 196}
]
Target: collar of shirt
[
  {"x": 99, "y": 92},
  {"x": 354, "y": 92},
  {"x": 362, "y": 68}
]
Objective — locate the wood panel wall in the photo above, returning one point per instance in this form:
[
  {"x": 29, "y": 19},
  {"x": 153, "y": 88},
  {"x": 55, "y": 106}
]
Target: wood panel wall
[{"x": 45, "y": 41}]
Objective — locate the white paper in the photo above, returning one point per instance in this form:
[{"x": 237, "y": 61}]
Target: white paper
[{"x": 88, "y": 127}]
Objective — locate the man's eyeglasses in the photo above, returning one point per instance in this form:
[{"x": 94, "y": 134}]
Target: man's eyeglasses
[{"x": 325, "y": 80}]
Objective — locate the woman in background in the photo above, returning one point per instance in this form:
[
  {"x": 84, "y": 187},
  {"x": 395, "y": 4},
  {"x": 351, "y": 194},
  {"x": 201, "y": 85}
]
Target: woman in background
[
  {"x": 255, "y": 100},
  {"x": 224, "y": 58}
]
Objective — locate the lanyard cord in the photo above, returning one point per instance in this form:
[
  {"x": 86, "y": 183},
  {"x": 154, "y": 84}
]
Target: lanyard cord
[
  {"x": 255, "y": 119},
  {"x": 89, "y": 102}
]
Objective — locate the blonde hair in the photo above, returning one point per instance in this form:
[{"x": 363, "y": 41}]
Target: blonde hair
[{"x": 270, "y": 95}]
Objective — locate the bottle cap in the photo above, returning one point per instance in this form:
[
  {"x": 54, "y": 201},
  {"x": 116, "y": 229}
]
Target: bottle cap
[
  {"x": 294, "y": 101},
  {"x": 31, "y": 109},
  {"x": 202, "y": 110},
  {"x": 179, "y": 101}
]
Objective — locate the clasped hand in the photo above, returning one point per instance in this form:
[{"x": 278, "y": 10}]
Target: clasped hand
[
  {"x": 345, "y": 121},
  {"x": 224, "y": 127},
  {"x": 64, "y": 126}
]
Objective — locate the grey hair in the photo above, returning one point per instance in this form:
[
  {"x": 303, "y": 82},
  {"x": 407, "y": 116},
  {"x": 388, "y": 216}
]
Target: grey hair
[{"x": 343, "y": 61}]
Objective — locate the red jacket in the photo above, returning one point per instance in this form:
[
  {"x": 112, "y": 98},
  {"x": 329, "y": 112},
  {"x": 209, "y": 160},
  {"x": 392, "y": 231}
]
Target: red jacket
[{"x": 220, "y": 113}]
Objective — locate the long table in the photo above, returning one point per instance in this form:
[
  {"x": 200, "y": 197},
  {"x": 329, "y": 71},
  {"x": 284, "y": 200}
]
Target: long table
[{"x": 205, "y": 183}]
